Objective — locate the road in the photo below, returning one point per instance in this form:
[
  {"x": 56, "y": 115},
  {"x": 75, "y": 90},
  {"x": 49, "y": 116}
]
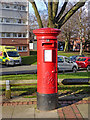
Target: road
[{"x": 23, "y": 69}]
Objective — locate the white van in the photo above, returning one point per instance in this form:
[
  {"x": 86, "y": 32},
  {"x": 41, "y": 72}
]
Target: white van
[{"x": 9, "y": 55}]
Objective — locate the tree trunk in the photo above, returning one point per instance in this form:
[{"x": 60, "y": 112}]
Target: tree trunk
[
  {"x": 80, "y": 31},
  {"x": 81, "y": 48},
  {"x": 66, "y": 46},
  {"x": 84, "y": 45}
]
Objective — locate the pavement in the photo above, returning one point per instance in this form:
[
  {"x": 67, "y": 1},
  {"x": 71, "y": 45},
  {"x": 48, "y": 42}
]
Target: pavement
[{"x": 28, "y": 110}]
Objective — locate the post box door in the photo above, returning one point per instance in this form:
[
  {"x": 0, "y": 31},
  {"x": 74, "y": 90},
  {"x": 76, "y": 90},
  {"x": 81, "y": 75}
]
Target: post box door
[{"x": 50, "y": 71}]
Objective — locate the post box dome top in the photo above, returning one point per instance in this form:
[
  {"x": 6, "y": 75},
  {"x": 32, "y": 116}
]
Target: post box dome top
[{"x": 45, "y": 31}]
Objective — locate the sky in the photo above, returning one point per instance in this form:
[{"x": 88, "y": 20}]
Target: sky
[{"x": 41, "y": 6}]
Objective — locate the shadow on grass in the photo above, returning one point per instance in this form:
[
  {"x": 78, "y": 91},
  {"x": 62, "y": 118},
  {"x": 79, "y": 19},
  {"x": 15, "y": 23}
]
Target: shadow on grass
[
  {"x": 23, "y": 91},
  {"x": 65, "y": 93},
  {"x": 31, "y": 91},
  {"x": 72, "y": 93}
]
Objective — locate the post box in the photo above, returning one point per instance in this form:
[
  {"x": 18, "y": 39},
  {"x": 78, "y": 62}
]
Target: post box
[{"x": 46, "y": 68}]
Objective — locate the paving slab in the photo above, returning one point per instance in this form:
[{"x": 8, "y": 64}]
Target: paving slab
[
  {"x": 24, "y": 111},
  {"x": 7, "y": 111},
  {"x": 0, "y": 112},
  {"x": 84, "y": 110},
  {"x": 46, "y": 114}
]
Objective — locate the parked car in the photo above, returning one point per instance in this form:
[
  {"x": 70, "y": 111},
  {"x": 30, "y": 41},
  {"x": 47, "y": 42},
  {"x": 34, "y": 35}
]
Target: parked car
[
  {"x": 83, "y": 62},
  {"x": 75, "y": 57},
  {"x": 65, "y": 64}
]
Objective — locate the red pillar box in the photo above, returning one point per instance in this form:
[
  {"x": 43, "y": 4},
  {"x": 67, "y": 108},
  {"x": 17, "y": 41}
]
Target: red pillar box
[{"x": 46, "y": 68}]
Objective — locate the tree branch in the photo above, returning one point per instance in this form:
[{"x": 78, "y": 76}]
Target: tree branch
[
  {"x": 61, "y": 11},
  {"x": 55, "y": 8},
  {"x": 37, "y": 14},
  {"x": 45, "y": 4},
  {"x": 50, "y": 14},
  {"x": 70, "y": 13}
]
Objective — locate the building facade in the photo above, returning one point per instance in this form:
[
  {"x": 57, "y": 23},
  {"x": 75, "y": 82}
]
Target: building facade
[{"x": 14, "y": 26}]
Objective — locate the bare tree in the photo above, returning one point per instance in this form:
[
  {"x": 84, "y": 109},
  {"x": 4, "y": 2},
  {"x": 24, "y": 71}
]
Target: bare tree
[
  {"x": 77, "y": 27},
  {"x": 83, "y": 21},
  {"x": 69, "y": 29},
  {"x": 85, "y": 30},
  {"x": 32, "y": 22},
  {"x": 55, "y": 16}
]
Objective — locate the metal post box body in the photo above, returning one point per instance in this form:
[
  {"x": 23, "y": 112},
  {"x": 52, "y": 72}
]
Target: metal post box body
[{"x": 46, "y": 67}]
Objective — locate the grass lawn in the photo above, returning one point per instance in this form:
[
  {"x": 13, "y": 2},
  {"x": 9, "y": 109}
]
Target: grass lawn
[
  {"x": 68, "y": 54},
  {"x": 19, "y": 77},
  {"x": 29, "y": 91},
  {"x": 34, "y": 76},
  {"x": 22, "y": 90}
]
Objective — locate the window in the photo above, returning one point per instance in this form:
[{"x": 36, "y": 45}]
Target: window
[
  {"x": 66, "y": 60},
  {"x": 13, "y": 54},
  {"x": 1, "y": 19},
  {"x": 7, "y": 6},
  {"x": 11, "y": 20},
  {"x": 19, "y": 7},
  {"x": 15, "y": 7},
  {"x": 60, "y": 59},
  {"x": 81, "y": 59},
  {"x": 7, "y": 34},
  {"x": 19, "y": 21},
  {"x": 14, "y": 21},
  {"x": 5, "y": 54},
  {"x": 14, "y": 34},
  {"x": 19, "y": 35},
  {"x": 20, "y": 48},
  {"x": 88, "y": 59},
  {"x": 24, "y": 21},
  {"x": 2, "y": 34},
  {"x": 3, "y": 5},
  {"x": 24, "y": 48},
  {"x": 23, "y": 7},
  {"x": 7, "y": 20},
  {"x": 24, "y": 34}
]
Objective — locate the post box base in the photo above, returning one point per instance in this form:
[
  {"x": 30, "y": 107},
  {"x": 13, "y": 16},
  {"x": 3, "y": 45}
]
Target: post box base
[{"x": 47, "y": 101}]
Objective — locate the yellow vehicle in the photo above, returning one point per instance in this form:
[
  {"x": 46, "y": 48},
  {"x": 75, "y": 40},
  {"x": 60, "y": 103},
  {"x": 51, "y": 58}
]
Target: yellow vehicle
[{"x": 9, "y": 55}]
